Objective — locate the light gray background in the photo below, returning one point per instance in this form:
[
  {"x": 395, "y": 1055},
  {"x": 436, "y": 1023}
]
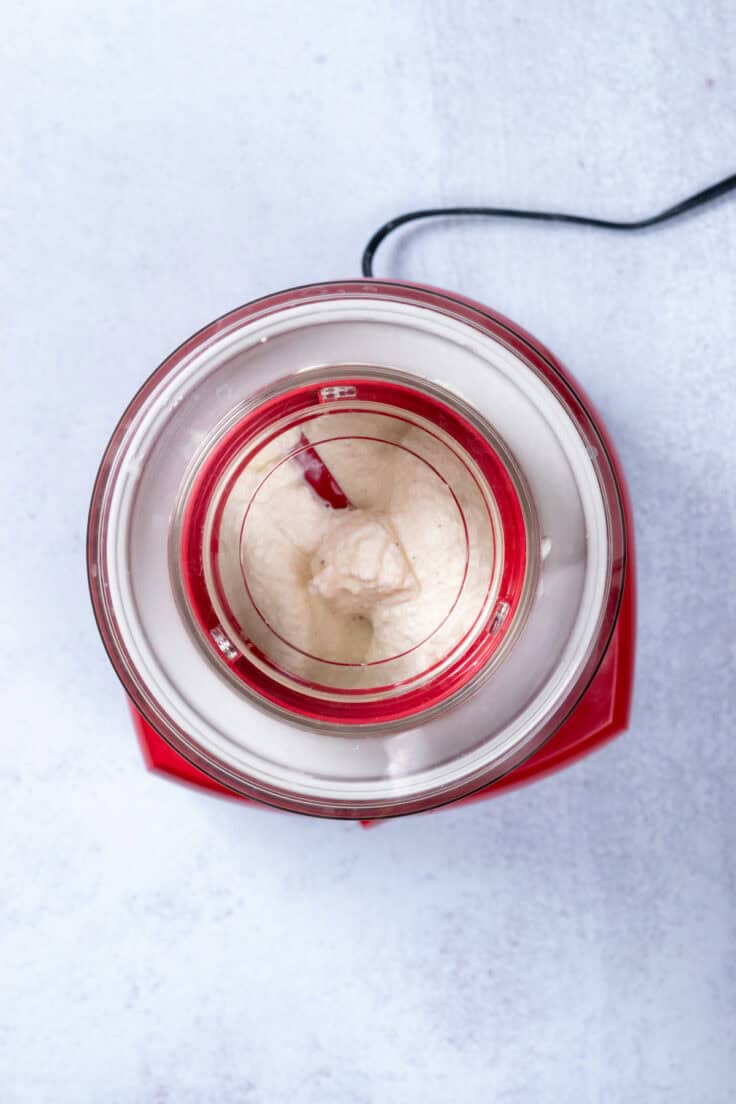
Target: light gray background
[{"x": 570, "y": 942}]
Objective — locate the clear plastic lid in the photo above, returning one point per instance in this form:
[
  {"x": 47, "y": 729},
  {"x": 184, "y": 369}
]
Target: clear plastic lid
[{"x": 356, "y": 549}]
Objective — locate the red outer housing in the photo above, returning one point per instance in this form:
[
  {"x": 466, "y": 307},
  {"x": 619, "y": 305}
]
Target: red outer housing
[{"x": 602, "y": 712}]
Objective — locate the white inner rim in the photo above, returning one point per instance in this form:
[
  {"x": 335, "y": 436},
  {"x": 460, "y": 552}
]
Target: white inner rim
[{"x": 525, "y": 690}]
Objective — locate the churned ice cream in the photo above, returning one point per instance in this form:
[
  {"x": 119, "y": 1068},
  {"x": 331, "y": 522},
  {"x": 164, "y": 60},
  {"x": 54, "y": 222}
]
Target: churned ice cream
[
  {"x": 360, "y": 564},
  {"x": 374, "y": 590}
]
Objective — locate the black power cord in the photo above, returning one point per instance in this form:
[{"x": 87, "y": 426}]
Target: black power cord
[{"x": 697, "y": 200}]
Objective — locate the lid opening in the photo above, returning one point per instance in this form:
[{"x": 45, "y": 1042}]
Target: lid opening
[{"x": 354, "y": 550}]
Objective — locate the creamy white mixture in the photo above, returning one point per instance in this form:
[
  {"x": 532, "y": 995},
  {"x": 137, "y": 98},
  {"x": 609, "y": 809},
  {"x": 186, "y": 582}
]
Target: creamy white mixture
[{"x": 392, "y": 582}]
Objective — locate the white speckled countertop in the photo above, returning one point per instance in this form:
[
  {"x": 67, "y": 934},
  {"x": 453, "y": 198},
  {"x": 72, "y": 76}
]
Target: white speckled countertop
[{"x": 570, "y": 942}]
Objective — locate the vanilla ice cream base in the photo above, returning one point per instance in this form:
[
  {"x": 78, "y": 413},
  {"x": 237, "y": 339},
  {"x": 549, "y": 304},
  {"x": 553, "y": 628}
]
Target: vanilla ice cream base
[{"x": 381, "y": 595}]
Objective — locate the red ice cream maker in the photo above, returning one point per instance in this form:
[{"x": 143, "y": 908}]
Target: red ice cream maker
[{"x": 530, "y": 665}]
